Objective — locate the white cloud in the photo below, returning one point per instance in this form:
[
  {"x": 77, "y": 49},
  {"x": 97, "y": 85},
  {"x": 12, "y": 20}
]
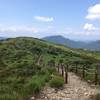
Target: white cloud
[
  {"x": 44, "y": 19},
  {"x": 16, "y": 29},
  {"x": 89, "y": 27},
  {"x": 94, "y": 12}
]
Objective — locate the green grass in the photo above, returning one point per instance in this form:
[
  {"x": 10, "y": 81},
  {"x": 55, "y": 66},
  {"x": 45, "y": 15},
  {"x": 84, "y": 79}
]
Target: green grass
[
  {"x": 56, "y": 82},
  {"x": 20, "y": 77}
]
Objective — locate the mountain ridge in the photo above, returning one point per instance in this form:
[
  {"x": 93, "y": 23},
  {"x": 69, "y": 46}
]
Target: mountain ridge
[{"x": 58, "y": 39}]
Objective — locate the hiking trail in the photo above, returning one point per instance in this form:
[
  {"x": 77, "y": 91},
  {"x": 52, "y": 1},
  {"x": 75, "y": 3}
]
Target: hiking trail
[{"x": 76, "y": 89}]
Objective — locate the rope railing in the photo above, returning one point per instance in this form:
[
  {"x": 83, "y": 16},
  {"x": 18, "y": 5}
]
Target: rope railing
[
  {"x": 89, "y": 73},
  {"x": 83, "y": 70}
]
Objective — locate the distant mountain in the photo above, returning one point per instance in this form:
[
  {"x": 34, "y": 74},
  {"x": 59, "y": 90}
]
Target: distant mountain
[
  {"x": 2, "y": 38},
  {"x": 64, "y": 41},
  {"x": 73, "y": 44},
  {"x": 93, "y": 45}
]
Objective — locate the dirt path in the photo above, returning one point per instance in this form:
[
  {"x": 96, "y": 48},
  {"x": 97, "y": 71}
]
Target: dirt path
[
  {"x": 39, "y": 59},
  {"x": 76, "y": 89}
]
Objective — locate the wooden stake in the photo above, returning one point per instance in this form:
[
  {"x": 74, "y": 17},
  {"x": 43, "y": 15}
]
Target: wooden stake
[
  {"x": 66, "y": 75},
  {"x": 62, "y": 67},
  {"x": 83, "y": 71},
  {"x": 96, "y": 75}
]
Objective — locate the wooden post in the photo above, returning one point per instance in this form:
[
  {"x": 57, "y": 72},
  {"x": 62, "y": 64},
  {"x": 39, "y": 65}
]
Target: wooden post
[
  {"x": 62, "y": 67},
  {"x": 43, "y": 64},
  {"x": 83, "y": 71},
  {"x": 54, "y": 64},
  {"x": 66, "y": 74},
  {"x": 96, "y": 75},
  {"x": 58, "y": 67}
]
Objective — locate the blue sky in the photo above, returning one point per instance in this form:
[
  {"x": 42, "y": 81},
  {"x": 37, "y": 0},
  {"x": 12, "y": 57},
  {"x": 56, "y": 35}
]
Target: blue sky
[{"x": 74, "y": 19}]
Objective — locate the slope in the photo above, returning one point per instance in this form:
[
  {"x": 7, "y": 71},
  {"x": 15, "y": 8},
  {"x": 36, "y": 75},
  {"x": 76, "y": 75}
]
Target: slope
[{"x": 26, "y": 64}]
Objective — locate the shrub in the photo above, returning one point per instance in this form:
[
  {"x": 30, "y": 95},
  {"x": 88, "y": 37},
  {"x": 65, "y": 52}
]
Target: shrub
[
  {"x": 51, "y": 70},
  {"x": 43, "y": 71},
  {"x": 35, "y": 84},
  {"x": 56, "y": 82}
]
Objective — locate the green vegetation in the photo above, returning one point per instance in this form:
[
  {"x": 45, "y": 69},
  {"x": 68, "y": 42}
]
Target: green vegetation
[
  {"x": 23, "y": 73},
  {"x": 56, "y": 82}
]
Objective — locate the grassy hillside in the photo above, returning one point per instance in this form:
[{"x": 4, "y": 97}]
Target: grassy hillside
[
  {"x": 25, "y": 65},
  {"x": 94, "y": 54}
]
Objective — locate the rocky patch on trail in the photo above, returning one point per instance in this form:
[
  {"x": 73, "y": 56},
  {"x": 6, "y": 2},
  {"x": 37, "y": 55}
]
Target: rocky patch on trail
[{"x": 76, "y": 89}]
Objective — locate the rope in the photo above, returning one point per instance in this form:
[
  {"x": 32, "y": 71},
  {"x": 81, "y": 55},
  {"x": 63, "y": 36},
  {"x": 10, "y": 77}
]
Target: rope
[
  {"x": 89, "y": 73},
  {"x": 89, "y": 69}
]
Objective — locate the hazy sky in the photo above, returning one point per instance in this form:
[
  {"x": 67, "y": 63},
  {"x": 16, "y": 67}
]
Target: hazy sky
[{"x": 75, "y": 19}]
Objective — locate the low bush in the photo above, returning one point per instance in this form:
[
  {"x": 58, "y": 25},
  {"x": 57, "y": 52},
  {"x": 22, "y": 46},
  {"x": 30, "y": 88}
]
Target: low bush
[
  {"x": 51, "y": 70},
  {"x": 36, "y": 83},
  {"x": 56, "y": 82}
]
